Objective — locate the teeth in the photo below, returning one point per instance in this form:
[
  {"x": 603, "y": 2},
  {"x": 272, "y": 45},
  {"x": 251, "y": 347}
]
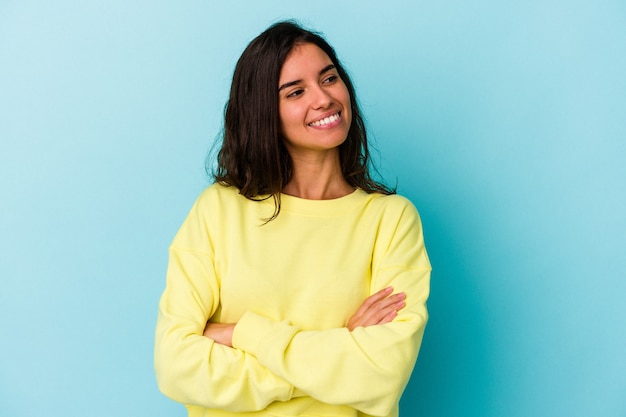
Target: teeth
[{"x": 325, "y": 120}]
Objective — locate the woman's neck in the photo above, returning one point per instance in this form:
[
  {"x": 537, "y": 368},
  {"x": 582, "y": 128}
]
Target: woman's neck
[{"x": 318, "y": 179}]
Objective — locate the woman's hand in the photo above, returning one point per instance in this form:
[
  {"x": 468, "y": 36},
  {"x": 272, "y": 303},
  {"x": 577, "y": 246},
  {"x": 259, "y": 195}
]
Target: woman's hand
[
  {"x": 379, "y": 308},
  {"x": 221, "y": 333}
]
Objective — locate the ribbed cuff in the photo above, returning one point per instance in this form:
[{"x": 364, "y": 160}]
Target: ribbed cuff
[
  {"x": 262, "y": 337},
  {"x": 249, "y": 331}
]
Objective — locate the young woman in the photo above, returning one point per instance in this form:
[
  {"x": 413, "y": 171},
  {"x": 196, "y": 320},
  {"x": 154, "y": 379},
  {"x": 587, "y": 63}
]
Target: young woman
[{"x": 297, "y": 285}]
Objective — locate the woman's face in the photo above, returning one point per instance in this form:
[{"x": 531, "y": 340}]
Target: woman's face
[{"x": 314, "y": 103}]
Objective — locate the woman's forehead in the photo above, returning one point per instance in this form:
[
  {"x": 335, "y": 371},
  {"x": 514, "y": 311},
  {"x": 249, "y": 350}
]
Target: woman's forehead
[{"x": 303, "y": 59}]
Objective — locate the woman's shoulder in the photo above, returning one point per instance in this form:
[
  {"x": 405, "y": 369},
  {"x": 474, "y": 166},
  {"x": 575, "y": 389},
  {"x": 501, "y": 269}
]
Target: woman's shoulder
[
  {"x": 217, "y": 192},
  {"x": 217, "y": 198},
  {"x": 391, "y": 201},
  {"x": 393, "y": 209}
]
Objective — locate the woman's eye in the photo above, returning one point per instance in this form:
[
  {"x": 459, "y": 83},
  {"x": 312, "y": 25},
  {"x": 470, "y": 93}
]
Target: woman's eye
[
  {"x": 331, "y": 79},
  {"x": 295, "y": 93}
]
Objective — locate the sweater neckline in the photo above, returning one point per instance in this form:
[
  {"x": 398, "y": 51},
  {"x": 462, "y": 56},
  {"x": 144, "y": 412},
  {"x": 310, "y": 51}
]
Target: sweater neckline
[{"x": 320, "y": 208}]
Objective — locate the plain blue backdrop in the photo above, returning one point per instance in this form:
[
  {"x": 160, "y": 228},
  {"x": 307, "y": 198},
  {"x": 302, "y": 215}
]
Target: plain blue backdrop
[{"x": 504, "y": 122}]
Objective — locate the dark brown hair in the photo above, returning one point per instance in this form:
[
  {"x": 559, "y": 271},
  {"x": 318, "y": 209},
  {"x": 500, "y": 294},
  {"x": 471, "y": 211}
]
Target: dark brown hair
[{"x": 253, "y": 157}]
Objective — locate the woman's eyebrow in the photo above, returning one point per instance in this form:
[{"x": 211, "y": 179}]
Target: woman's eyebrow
[
  {"x": 290, "y": 83},
  {"x": 327, "y": 68}
]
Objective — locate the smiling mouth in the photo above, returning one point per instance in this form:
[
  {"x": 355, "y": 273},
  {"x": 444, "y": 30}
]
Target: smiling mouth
[{"x": 326, "y": 120}]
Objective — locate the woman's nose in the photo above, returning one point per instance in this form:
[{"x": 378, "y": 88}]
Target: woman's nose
[{"x": 321, "y": 98}]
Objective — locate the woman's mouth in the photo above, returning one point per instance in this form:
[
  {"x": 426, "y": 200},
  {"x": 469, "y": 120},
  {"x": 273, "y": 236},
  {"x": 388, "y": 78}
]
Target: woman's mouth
[{"x": 326, "y": 121}]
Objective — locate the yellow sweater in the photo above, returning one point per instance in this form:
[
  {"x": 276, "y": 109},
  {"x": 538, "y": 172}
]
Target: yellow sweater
[{"x": 291, "y": 285}]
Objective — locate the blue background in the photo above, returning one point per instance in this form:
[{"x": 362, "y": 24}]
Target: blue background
[{"x": 504, "y": 122}]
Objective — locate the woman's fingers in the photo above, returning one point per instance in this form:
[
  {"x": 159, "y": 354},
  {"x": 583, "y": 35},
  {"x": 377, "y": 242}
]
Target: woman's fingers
[
  {"x": 372, "y": 300},
  {"x": 379, "y": 308}
]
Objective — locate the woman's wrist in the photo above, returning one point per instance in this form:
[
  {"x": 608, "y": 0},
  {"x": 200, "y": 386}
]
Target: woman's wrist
[{"x": 221, "y": 333}]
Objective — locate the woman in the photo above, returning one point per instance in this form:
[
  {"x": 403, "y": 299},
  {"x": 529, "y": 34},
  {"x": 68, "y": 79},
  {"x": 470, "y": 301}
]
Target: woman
[{"x": 297, "y": 284}]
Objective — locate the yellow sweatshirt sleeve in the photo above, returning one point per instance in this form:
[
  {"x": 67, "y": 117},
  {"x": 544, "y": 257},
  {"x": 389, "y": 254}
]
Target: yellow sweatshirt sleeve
[
  {"x": 191, "y": 368},
  {"x": 367, "y": 368}
]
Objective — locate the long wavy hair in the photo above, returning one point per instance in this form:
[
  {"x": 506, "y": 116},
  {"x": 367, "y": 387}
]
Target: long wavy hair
[{"x": 253, "y": 156}]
